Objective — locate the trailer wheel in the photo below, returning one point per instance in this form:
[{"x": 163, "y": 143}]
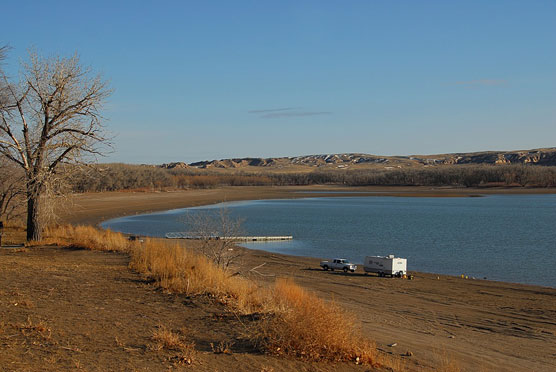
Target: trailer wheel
[
  {"x": 345, "y": 269},
  {"x": 325, "y": 267}
]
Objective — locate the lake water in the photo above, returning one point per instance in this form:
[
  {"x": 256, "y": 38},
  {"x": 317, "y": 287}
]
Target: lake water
[{"x": 502, "y": 237}]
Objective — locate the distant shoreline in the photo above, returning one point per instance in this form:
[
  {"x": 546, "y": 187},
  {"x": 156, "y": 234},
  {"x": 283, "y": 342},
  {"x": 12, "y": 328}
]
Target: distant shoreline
[{"x": 94, "y": 208}]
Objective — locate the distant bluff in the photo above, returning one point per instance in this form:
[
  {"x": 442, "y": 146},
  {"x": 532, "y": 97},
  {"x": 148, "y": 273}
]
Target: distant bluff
[{"x": 544, "y": 157}]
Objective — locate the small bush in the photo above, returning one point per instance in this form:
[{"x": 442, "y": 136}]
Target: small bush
[
  {"x": 87, "y": 237},
  {"x": 302, "y": 327},
  {"x": 179, "y": 269},
  {"x": 166, "y": 339}
]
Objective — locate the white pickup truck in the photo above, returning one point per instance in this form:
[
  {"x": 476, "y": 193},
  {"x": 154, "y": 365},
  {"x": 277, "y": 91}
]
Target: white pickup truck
[{"x": 338, "y": 264}]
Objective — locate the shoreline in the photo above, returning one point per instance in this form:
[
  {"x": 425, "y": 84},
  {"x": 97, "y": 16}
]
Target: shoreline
[
  {"x": 115, "y": 208},
  {"x": 486, "y": 324},
  {"x": 95, "y": 208}
]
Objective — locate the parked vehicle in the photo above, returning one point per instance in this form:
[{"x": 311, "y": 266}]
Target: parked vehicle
[
  {"x": 386, "y": 265},
  {"x": 338, "y": 264}
]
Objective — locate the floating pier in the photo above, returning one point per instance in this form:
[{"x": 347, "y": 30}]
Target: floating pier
[{"x": 183, "y": 235}]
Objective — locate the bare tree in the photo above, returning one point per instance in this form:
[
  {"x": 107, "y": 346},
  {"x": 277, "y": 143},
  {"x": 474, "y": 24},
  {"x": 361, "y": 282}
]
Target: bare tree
[
  {"x": 12, "y": 192},
  {"x": 49, "y": 117},
  {"x": 216, "y": 231}
]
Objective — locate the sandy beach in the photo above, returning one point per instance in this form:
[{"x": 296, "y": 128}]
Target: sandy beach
[{"x": 485, "y": 325}]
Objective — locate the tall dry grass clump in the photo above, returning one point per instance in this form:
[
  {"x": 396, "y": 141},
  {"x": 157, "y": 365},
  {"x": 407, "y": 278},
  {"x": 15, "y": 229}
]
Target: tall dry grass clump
[
  {"x": 172, "y": 265},
  {"x": 306, "y": 326},
  {"x": 181, "y": 270},
  {"x": 87, "y": 237}
]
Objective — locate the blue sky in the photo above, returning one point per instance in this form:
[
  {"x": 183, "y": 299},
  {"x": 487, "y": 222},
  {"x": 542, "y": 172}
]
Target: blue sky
[{"x": 201, "y": 80}]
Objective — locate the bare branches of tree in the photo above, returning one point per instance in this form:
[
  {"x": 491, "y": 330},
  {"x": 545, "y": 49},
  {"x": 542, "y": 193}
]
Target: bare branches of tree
[
  {"x": 12, "y": 191},
  {"x": 50, "y": 116},
  {"x": 216, "y": 230}
]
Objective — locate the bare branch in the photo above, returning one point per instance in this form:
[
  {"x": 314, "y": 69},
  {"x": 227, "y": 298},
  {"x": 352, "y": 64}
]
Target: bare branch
[{"x": 213, "y": 231}]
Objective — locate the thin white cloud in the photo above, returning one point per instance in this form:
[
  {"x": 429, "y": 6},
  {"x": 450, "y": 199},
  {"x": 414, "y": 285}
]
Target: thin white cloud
[
  {"x": 482, "y": 82},
  {"x": 286, "y": 112},
  {"x": 295, "y": 114},
  {"x": 273, "y": 110}
]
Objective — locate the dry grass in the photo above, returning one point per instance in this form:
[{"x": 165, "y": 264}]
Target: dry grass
[
  {"x": 87, "y": 237},
  {"x": 180, "y": 270},
  {"x": 223, "y": 347},
  {"x": 447, "y": 363},
  {"x": 172, "y": 265},
  {"x": 37, "y": 329},
  {"x": 13, "y": 233},
  {"x": 294, "y": 322},
  {"x": 165, "y": 339},
  {"x": 308, "y": 327}
]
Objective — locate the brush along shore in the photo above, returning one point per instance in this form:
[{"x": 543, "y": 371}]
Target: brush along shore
[{"x": 270, "y": 316}]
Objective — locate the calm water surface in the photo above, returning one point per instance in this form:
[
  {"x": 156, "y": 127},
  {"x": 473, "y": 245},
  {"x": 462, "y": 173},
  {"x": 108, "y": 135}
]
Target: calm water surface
[{"x": 501, "y": 237}]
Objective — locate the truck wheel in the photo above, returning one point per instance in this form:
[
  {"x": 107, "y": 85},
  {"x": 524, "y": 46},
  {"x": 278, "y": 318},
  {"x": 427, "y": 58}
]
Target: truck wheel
[
  {"x": 345, "y": 269},
  {"x": 325, "y": 268}
]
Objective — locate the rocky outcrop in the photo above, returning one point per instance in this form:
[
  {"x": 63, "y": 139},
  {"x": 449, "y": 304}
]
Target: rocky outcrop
[
  {"x": 545, "y": 157},
  {"x": 176, "y": 165},
  {"x": 536, "y": 157}
]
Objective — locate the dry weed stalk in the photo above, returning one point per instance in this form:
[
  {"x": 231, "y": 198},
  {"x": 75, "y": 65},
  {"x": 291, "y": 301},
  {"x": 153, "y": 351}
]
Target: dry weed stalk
[
  {"x": 447, "y": 363},
  {"x": 39, "y": 329}
]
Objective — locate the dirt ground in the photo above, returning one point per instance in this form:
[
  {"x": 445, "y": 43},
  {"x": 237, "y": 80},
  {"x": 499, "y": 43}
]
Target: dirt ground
[{"x": 64, "y": 309}]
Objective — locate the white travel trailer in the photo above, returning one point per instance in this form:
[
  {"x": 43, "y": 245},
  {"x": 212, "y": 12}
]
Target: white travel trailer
[{"x": 385, "y": 265}]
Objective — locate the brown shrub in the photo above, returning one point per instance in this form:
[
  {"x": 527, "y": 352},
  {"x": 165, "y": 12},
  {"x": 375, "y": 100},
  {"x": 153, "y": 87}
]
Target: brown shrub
[
  {"x": 87, "y": 237},
  {"x": 306, "y": 326},
  {"x": 166, "y": 339},
  {"x": 179, "y": 269}
]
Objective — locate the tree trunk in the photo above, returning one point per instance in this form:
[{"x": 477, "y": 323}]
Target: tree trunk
[{"x": 34, "y": 228}]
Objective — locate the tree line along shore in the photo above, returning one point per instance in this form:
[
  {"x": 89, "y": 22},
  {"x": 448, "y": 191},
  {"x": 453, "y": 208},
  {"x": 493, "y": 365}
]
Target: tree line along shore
[{"x": 114, "y": 177}]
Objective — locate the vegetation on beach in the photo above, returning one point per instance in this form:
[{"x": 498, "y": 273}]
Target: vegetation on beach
[{"x": 276, "y": 311}]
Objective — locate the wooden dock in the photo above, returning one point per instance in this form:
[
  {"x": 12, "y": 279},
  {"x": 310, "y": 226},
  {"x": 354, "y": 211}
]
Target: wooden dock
[{"x": 182, "y": 235}]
